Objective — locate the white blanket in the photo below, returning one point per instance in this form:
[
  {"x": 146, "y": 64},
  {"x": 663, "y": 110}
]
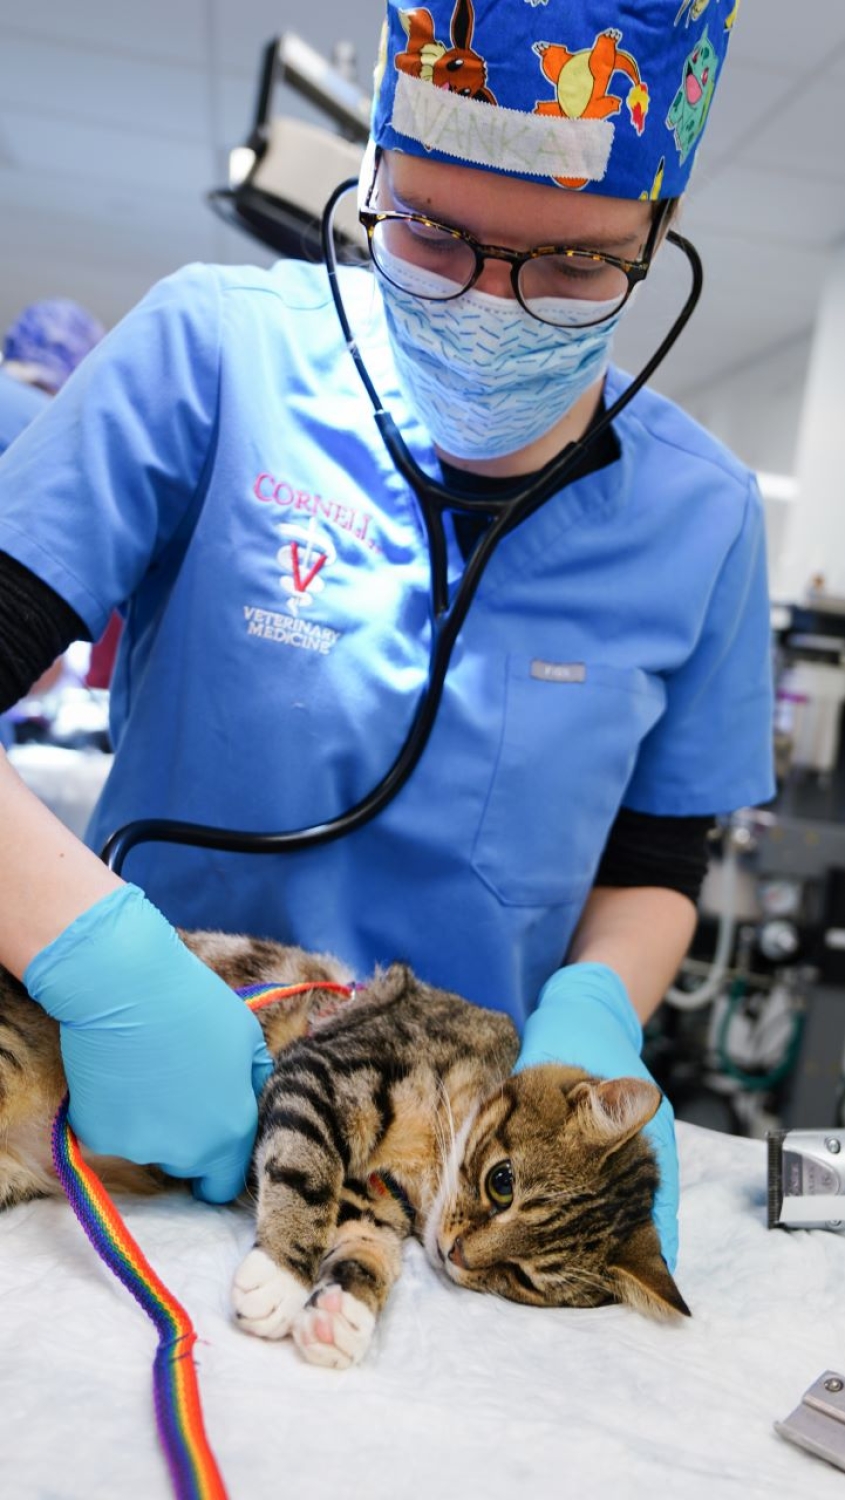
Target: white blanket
[{"x": 462, "y": 1397}]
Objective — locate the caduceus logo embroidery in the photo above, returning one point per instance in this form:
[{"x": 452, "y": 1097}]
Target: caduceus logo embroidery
[{"x": 302, "y": 557}]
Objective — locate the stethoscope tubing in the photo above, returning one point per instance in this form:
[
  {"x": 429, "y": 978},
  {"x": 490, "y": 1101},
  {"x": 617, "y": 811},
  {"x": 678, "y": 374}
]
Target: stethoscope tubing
[{"x": 447, "y": 617}]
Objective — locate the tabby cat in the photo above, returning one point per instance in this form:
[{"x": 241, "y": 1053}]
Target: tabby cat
[{"x": 390, "y": 1114}]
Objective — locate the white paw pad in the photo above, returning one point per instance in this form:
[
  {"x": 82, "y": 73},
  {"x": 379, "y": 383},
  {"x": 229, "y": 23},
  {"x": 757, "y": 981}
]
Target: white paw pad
[
  {"x": 334, "y": 1329},
  {"x": 265, "y": 1297}
]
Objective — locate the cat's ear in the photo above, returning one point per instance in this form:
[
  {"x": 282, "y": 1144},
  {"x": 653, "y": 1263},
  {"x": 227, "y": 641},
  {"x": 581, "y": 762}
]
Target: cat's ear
[
  {"x": 613, "y": 1110},
  {"x": 642, "y": 1278}
]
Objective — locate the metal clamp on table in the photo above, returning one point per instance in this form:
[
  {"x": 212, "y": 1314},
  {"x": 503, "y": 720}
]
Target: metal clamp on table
[{"x": 818, "y": 1424}]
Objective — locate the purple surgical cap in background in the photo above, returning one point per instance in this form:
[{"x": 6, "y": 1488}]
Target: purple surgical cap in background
[{"x": 52, "y": 336}]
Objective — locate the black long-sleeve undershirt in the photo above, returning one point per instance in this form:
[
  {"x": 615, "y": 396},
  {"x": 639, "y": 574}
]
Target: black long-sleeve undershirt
[{"x": 36, "y": 626}]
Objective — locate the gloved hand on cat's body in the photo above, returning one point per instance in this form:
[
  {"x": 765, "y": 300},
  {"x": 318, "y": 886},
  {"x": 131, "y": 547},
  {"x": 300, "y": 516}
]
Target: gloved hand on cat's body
[
  {"x": 585, "y": 1018},
  {"x": 163, "y": 1061}
]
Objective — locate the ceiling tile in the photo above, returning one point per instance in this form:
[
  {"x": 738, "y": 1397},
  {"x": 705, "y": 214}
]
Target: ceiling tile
[
  {"x": 129, "y": 159},
  {"x": 167, "y": 100},
  {"x": 802, "y": 137},
  {"x": 757, "y": 205},
  {"x": 780, "y": 35},
  {"x": 157, "y": 29},
  {"x": 240, "y": 31}
]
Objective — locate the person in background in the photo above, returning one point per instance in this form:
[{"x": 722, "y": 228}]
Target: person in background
[
  {"x": 40, "y": 351},
  {"x": 19, "y": 404},
  {"x": 215, "y": 466},
  {"x": 46, "y": 342}
]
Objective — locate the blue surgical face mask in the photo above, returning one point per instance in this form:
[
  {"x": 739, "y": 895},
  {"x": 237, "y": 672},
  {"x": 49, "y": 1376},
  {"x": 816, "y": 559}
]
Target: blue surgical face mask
[{"x": 485, "y": 377}]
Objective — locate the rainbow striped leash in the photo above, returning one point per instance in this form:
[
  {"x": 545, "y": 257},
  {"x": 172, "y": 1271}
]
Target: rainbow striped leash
[{"x": 193, "y": 1467}]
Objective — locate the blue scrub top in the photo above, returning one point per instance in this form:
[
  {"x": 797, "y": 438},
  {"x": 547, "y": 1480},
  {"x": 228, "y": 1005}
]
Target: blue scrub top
[
  {"x": 214, "y": 470},
  {"x": 19, "y": 404}
]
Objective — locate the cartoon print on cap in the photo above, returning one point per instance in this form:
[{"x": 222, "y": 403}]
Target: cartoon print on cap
[
  {"x": 694, "y": 8},
  {"x": 457, "y": 68},
  {"x": 581, "y": 81},
  {"x": 585, "y": 101},
  {"x": 688, "y": 114},
  {"x": 654, "y": 191}
]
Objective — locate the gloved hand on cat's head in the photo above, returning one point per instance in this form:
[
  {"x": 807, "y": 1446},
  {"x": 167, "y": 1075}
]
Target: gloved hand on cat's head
[
  {"x": 163, "y": 1060},
  {"x": 584, "y": 1018}
]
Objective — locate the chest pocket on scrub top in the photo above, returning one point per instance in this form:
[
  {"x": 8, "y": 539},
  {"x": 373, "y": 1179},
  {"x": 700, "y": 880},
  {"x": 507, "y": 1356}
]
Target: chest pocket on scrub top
[{"x": 569, "y": 742}]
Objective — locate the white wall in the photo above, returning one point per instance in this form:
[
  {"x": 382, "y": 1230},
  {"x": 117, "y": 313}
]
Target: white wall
[
  {"x": 813, "y": 551},
  {"x": 757, "y": 409},
  {"x": 785, "y": 414},
  {"x": 757, "y": 412}
]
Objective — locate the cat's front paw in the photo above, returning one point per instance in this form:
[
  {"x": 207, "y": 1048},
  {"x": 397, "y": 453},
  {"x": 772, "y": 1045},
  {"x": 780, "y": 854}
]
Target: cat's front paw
[
  {"x": 334, "y": 1328},
  {"x": 266, "y": 1298}
]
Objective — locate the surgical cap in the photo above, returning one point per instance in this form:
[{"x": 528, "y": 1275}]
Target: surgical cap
[
  {"x": 51, "y": 337},
  {"x": 603, "y": 96}
]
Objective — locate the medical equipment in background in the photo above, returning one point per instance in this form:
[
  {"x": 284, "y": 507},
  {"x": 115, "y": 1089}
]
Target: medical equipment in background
[
  {"x": 726, "y": 1040},
  {"x": 810, "y": 695},
  {"x": 282, "y": 177},
  {"x": 751, "y": 1037}
]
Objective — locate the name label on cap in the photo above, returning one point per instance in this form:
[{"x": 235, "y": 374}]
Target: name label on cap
[{"x": 490, "y": 135}]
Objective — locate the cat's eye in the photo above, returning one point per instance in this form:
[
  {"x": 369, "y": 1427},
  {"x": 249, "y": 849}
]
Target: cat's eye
[{"x": 498, "y": 1184}]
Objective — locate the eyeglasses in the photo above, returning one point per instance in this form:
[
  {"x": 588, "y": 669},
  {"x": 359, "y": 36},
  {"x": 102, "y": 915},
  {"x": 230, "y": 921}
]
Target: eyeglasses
[{"x": 438, "y": 263}]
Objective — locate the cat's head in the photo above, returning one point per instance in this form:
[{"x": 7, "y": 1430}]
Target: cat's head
[{"x": 547, "y": 1195}]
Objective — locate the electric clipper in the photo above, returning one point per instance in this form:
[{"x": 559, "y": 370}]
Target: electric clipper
[{"x": 806, "y": 1179}]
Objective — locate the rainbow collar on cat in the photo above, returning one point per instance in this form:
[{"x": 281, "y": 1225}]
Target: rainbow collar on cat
[{"x": 257, "y": 996}]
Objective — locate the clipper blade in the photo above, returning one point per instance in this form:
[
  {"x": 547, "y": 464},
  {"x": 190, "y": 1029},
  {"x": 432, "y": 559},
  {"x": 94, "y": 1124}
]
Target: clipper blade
[{"x": 775, "y": 1140}]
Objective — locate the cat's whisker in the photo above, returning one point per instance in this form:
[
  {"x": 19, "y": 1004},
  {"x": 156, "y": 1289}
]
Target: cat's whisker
[
  {"x": 444, "y": 1142},
  {"x": 580, "y": 1280},
  {"x": 249, "y": 1195}
]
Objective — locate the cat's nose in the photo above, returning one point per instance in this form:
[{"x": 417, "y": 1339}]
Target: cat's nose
[{"x": 456, "y": 1253}]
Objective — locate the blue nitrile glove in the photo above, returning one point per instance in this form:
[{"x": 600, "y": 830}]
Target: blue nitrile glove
[
  {"x": 585, "y": 1019},
  {"x": 163, "y": 1061}
]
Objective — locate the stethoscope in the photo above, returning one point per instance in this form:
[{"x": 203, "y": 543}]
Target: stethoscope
[{"x": 447, "y": 615}]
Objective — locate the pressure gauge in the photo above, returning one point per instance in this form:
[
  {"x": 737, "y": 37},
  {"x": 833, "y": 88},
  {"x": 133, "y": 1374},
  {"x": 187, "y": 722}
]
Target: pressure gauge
[
  {"x": 780, "y": 898},
  {"x": 778, "y": 941}
]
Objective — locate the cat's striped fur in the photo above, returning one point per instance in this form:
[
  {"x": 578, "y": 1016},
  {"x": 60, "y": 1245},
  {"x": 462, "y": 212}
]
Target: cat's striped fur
[{"x": 392, "y": 1115}]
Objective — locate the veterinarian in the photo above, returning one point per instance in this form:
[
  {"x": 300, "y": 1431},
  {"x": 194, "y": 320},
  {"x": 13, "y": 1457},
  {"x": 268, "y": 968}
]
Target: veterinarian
[{"x": 214, "y": 471}]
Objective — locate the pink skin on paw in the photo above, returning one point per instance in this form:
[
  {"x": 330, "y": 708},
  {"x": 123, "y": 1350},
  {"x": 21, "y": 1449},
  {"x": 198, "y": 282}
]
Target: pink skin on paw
[
  {"x": 331, "y": 1300},
  {"x": 334, "y": 1330},
  {"x": 324, "y": 1330}
]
